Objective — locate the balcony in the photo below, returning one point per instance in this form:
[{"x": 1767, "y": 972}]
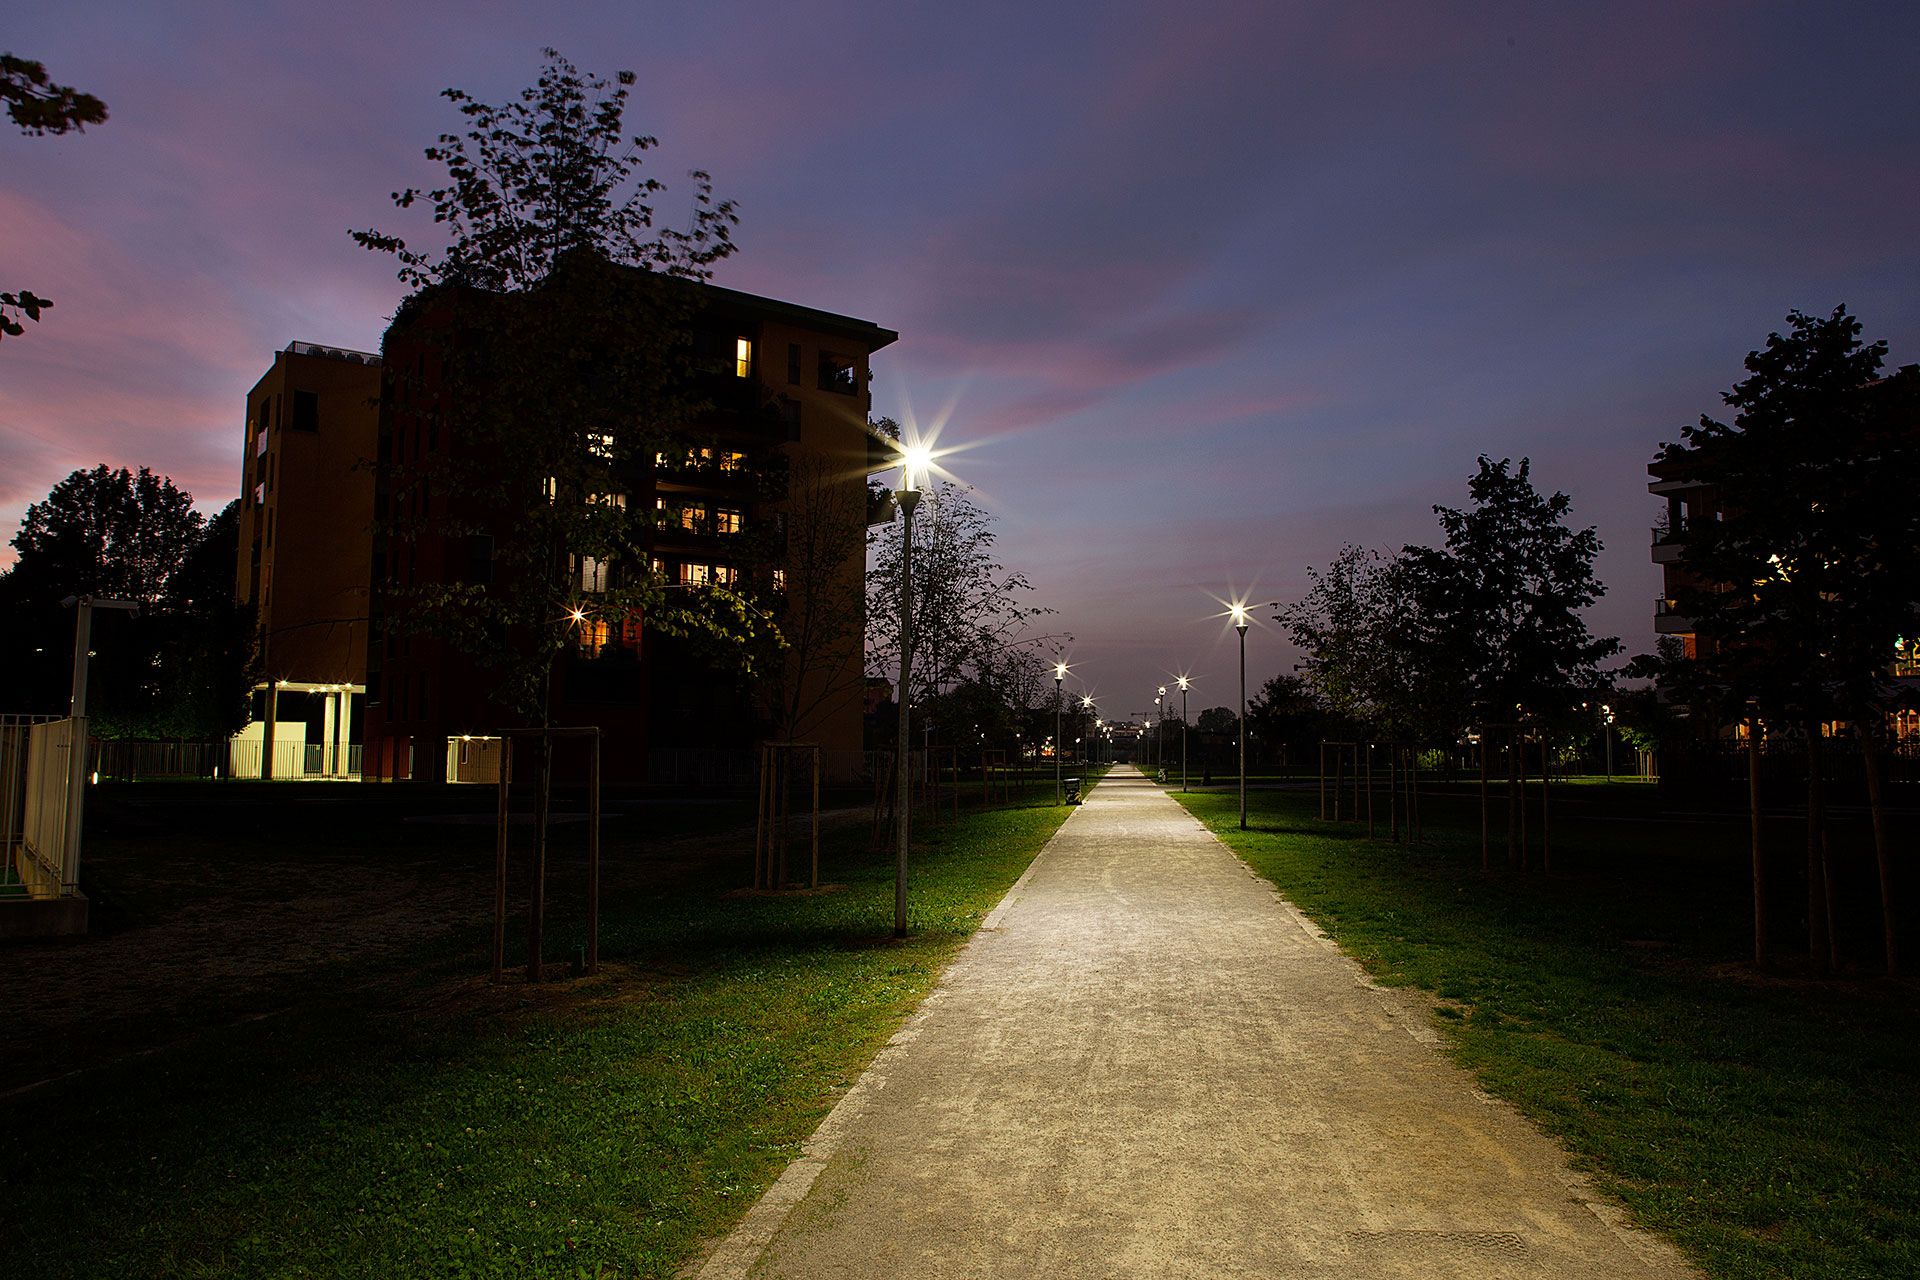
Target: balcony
[
  {"x": 1668, "y": 620},
  {"x": 1668, "y": 546}
]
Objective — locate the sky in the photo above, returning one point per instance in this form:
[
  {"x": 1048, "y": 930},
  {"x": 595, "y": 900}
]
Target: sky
[{"x": 1209, "y": 290}]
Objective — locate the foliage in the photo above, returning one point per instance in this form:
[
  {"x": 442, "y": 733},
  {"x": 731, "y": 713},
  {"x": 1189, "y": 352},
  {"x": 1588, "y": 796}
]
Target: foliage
[
  {"x": 177, "y": 670},
  {"x": 1497, "y": 612},
  {"x": 1810, "y": 575},
  {"x": 535, "y": 181},
  {"x": 1287, "y": 711},
  {"x": 1352, "y": 629},
  {"x": 563, "y": 341},
  {"x": 819, "y": 615},
  {"x": 969, "y": 619},
  {"x": 39, "y": 107}
]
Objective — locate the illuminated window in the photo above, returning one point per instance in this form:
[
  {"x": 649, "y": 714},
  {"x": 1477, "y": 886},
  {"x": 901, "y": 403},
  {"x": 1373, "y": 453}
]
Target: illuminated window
[
  {"x": 593, "y": 575},
  {"x": 593, "y": 636},
  {"x": 549, "y": 488},
  {"x": 726, "y": 521},
  {"x": 659, "y": 565},
  {"x": 733, "y": 461},
  {"x": 779, "y": 579},
  {"x": 726, "y": 575},
  {"x": 600, "y": 444},
  {"x": 693, "y": 518},
  {"x": 742, "y": 358},
  {"x": 695, "y": 575},
  {"x": 618, "y": 501}
]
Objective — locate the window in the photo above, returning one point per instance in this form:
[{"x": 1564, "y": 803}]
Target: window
[
  {"x": 593, "y": 575},
  {"x": 779, "y": 579},
  {"x": 618, "y": 501},
  {"x": 790, "y": 417},
  {"x": 742, "y": 358},
  {"x": 793, "y": 363},
  {"x": 839, "y": 374},
  {"x": 593, "y": 636},
  {"x": 306, "y": 411},
  {"x": 730, "y": 460},
  {"x": 726, "y": 575},
  {"x": 659, "y": 566},
  {"x": 260, "y": 494},
  {"x": 695, "y": 575},
  {"x": 600, "y": 444},
  {"x": 269, "y": 528},
  {"x": 693, "y": 518},
  {"x": 726, "y": 520},
  {"x": 550, "y": 488}
]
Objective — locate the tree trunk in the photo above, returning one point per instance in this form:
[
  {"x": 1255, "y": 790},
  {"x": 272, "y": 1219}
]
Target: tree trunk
[
  {"x": 1817, "y": 940},
  {"x": 1882, "y": 852},
  {"x": 1759, "y": 865},
  {"x": 1514, "y": 800}
]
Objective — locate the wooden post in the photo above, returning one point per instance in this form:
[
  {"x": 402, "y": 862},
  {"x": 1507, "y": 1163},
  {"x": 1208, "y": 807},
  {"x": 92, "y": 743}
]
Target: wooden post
[
  {"x": 1339, "y": 777},
  {"x": 593, "y": 859},
  {"x": 500, "y": 862},
  {"x": 1323, "y": 781},
  {"x": 1369, "y": 786},
  {"x": 1759, "y": 866},
  {"x": 537, "y": 873},
  {"x": 1546, "y": 806}
]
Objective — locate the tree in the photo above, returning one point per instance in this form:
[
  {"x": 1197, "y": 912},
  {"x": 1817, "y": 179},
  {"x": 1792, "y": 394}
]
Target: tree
[
  {"x": 819, "y": 619},
  {"x": 1288, "y": 712},
  {"x": 969, "y": 620},
  {"x": 1352, "y": 627},
  {"x": 565, "y": 348},
  {"x": 1806, "y": 578},
  {"x": 1498, "y": 609},
  {"x": 179, "y": 669},
  {"x": 39, "y": 107}
]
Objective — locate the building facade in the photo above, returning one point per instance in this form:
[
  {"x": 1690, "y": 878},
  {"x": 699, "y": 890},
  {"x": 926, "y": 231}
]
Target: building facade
[
  {"x": 306, "y": 539},
  {"x": 762, "y": 492}
]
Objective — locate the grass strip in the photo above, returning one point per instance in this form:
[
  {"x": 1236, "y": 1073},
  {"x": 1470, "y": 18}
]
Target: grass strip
[
  {"x": 1770, "y": 1128},
  {"x": 432, "y": 1125}
]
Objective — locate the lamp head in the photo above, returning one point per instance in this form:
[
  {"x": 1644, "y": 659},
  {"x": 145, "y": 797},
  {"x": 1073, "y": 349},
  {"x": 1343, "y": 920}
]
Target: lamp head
[{"x": 1184, "y": 684}]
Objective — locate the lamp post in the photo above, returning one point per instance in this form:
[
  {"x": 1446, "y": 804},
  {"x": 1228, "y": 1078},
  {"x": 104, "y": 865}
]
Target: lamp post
[
  {"x": 1160, "y": 706},
  {"x": 909, "y": 499},
  {"x": 1086, "y": 716},
  {"x": 1059, "y": 674},
  {"x": 1240, "y": 625},
  {"x": 1183, "y": 682}
]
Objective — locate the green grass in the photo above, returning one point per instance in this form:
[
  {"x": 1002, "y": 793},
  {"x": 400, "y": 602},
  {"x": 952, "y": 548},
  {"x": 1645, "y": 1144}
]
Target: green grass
[
  {"x": 434, "y": 1125},
  {"x": 1770, "y": 1126}
]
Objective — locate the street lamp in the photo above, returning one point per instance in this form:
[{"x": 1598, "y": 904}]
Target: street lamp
[
  {"x": 1059, "y": 674},
  {"x": 1183, "y": 683},
  {"x": 912, "y": 458},
  {"x": 1086, "y": 710},
  {"x": 1160, "y": 706},
  {"x": 1240, "y": 625}
]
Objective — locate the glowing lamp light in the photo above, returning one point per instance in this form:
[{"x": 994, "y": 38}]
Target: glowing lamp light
[{"x": 915, "y": 460}]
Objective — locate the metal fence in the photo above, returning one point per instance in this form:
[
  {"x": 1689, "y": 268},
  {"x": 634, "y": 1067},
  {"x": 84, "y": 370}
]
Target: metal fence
[{"x": 36, "y": 794}]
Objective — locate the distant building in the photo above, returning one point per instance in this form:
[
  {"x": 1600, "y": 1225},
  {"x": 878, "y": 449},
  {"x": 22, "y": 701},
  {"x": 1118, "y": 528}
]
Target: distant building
[
  {"x": 787, "y": 386},
  {"x": 306, "y": 540}
]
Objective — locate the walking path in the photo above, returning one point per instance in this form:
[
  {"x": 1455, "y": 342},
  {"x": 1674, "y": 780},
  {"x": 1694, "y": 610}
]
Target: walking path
[{"x": 1148, "y": 1064}]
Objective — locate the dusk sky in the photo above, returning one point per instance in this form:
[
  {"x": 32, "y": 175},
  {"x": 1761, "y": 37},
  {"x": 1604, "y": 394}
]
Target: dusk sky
[{"x": 1212, "y": 289}]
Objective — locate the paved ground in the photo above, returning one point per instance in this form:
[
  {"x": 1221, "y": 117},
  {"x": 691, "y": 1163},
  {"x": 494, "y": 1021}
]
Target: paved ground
[{"x": 1148, "y": 1064}]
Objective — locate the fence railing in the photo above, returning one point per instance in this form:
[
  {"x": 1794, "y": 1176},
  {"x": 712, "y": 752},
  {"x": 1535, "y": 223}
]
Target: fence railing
[{"x": 41, "y": 850}]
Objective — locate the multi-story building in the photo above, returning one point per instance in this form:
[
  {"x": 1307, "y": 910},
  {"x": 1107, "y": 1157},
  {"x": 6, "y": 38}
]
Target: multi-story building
[
  {"x": 781, "y": 446},
  {"x": 305, "y": 543}
]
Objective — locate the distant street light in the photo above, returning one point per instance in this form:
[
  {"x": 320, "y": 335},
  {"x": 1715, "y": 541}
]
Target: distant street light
[
  {"x": 1059, "y": 674},
  {"x": 1240, "y": 625},
  {"x": 1086, "y": 708},
  {"x": 1182, "y": 682}
]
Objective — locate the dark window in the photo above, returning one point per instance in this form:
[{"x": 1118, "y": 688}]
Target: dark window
[
  {"x": 306, "y": 411},
  {"x": 790, "y": 417},
  {"x": 793, "y": 363},
  {"x": 839, "y": 373}
]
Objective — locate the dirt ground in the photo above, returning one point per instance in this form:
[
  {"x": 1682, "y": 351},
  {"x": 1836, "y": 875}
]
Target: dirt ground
[{"x": 211, "y": 906}]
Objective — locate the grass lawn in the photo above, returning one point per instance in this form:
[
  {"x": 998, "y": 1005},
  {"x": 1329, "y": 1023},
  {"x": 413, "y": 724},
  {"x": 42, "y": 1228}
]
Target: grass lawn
[
  {"x": 1768, "y": 1124},
  {"x": 429, "y": 1124}
]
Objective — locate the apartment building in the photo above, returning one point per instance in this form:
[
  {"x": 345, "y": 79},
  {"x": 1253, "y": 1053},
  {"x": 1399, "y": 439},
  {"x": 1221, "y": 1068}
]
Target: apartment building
[
  {"x": 780, "y": 437},
  {"x": 305, "y": 543}
]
